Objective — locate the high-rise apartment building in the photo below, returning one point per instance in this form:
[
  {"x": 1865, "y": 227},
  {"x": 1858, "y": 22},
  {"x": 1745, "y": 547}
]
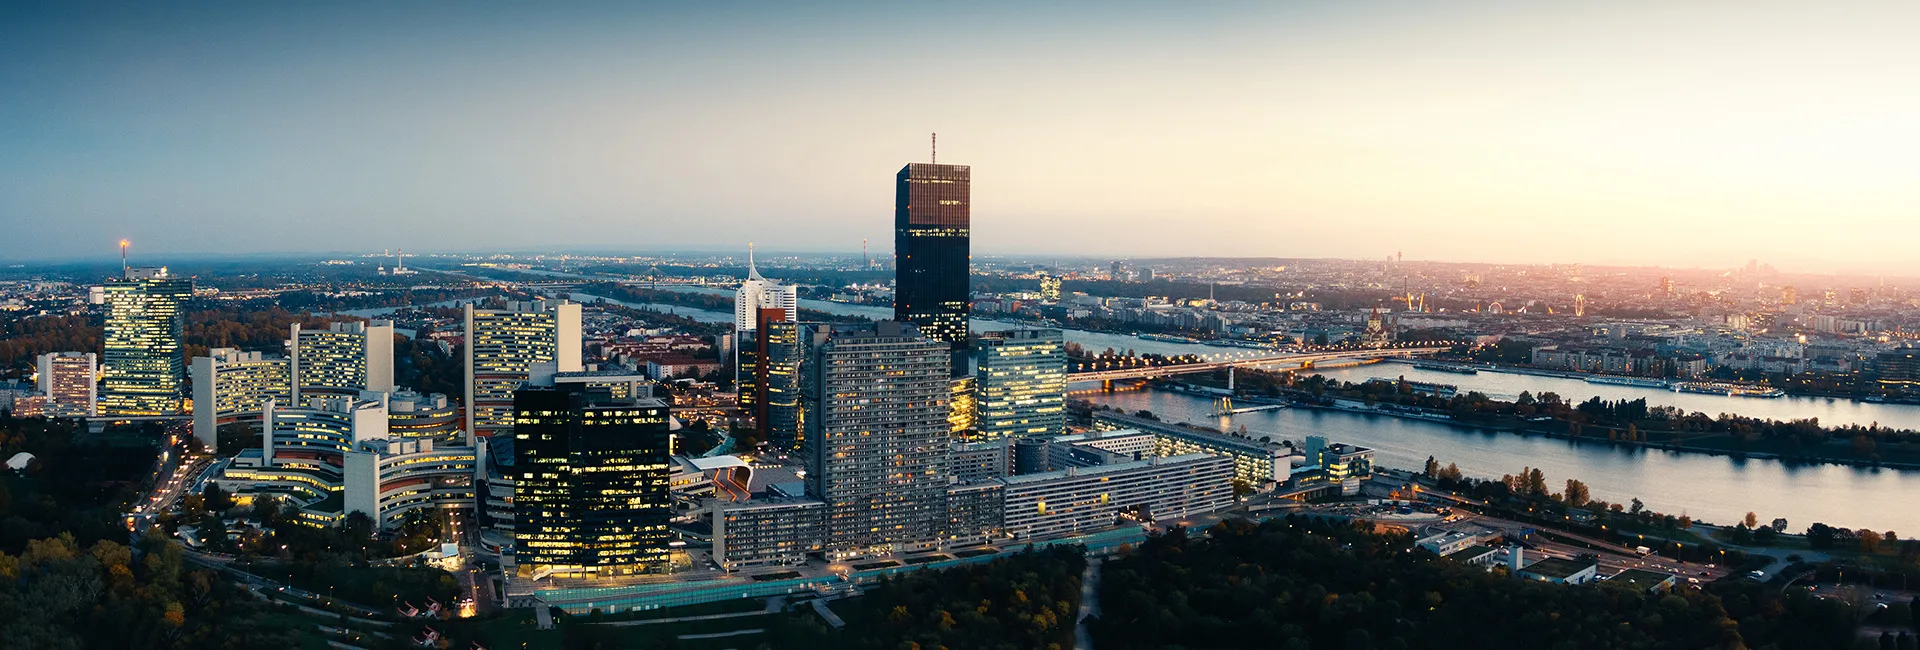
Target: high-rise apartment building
[
  {"x": 877, "y": 437},
  {"x": 68, "y": 379},
  {"x": 932, "y": 258},
  {"x": 144, "y": 371},
  {"x": 1022, "y": 383},
  {"x": 503, "y": 345},
  {"x": 343, "y": 359},
  {"x": 591, "y": 471},
  {"x": 231, "y": 386}
]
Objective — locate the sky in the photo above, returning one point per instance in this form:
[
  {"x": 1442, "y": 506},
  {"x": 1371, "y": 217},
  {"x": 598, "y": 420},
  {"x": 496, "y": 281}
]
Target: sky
[{"x": 1687, "y": 134}]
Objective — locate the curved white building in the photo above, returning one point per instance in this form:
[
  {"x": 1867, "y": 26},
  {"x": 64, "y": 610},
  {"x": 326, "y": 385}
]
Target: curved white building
[{"x": 758, "y": 293}]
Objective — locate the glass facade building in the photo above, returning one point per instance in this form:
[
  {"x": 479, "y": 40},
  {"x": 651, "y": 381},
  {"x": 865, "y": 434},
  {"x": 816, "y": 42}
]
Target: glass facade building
[
  {"x": 931, "y": 253},
  {"x": 591, "y": 472},
  {"x": 69, "y": 380},
  {"x": 144, "y": 369},
  {"x": 1022, "y": 383}
]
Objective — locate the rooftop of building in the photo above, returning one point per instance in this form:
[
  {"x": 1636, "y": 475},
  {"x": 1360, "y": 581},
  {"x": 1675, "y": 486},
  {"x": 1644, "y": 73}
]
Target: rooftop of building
[
  {"x": 1554, "y": 567},
  {"x": 1099, "y": 470},
  {"x": 1641, "y": 578},
  {"x": 1470, "y": 553}
]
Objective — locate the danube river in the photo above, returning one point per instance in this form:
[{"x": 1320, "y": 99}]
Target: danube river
[{"x": 1718, "y": 489}]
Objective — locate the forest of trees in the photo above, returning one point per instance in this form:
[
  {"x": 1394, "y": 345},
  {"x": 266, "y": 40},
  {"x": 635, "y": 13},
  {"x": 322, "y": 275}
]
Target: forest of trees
[
  {"x": 68, "y": 577},
  {"x": 1305, "y": 583},
  {"x": 23, "y": 339},
  {"x": 1023, "y": 602}
]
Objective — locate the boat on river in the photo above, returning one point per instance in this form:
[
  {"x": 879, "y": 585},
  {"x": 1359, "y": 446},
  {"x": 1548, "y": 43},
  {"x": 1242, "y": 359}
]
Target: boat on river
[
  {"x": 1446, "y": 367},
  {"x": 1729, "y": 389},
  {"x": 1616, "y": 380}
]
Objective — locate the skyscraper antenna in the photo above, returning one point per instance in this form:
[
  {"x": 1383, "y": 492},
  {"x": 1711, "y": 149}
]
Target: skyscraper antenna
[
  {"x": 123, "y": 257},
  {"x": 936, "y": 149}
]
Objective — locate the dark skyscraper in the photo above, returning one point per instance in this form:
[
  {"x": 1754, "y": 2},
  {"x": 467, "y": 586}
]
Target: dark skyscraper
[
  {"x": 931, "y": 255},
  {"x": 590, "y": 494}
]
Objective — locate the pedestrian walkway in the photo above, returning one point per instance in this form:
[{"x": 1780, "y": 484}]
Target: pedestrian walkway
[
  {"x": 1089, "y": 604},
  {"x": 720, "y": 635},
  {"x": 820, "y": 607}
]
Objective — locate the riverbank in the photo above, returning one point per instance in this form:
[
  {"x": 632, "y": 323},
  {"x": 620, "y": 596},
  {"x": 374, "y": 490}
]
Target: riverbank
[{"x": 1664, "y": 440}]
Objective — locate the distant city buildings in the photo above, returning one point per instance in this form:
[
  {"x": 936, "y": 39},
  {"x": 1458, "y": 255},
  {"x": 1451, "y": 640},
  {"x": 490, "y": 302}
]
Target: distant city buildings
[
  {"x": 144, "y": 371},
  {"x": 69, "y": 381},
  {"x": 931, "y": 252},
  {"x": 503, "y": 345},
  {"x": 1022, "y": 378}
]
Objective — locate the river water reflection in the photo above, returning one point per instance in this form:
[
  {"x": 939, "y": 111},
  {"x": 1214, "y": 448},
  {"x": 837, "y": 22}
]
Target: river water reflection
[{"x": 1717, "y": 489}]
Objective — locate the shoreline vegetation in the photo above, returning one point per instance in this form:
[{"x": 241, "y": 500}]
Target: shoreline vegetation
[{"x": 1617, "y": 422}]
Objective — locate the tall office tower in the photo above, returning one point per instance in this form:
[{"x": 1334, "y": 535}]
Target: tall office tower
[
  {"x": 68, "y": 381},
  {"x": 877, "y": 437},
  {"x": 590, "y": 494},
  {"x": 145, "y": 373},
  {"x": 931, "y": 253},
  {"x": 757, "y": 293},
  {"x": 1023, "y": 383},
  {"x": 231, "y": 386},
  {"x": 343, "y": 359},
  {"x": 503, "y": 345},
  {"x": 779, "y": 349},
  {"x": 751, "y": 367}
]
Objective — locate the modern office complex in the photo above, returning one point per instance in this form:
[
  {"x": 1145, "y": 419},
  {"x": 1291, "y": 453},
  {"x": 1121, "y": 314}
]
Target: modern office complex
[
  {"x": 877, "y": 437},
  {"x": 68, "y": 379},
  {"x": 503, "y": 346},
  {"x": 414, "y": 416},
  {"x": 333, "y": 456},
  {"x": 932, "y": 257},
  {"x": 1083, "y": 499},
  {"x": 232, "y": 386},
  {"x": 142, "y": 365},
  {"x": 343, "y": 359},
  {"x": 1022, "y": 383},
  {"x": 1260, "y": 464},
  {"x": 591, "y": 475}
]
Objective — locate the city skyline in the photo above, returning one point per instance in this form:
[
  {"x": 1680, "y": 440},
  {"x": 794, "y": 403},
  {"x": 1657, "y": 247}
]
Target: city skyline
[{"x": 1305, "y": 130}]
